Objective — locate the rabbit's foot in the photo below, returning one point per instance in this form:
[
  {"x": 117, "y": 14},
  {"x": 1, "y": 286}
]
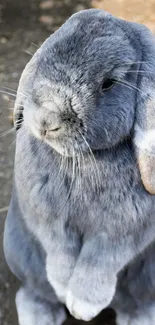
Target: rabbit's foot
[
  {"x": 87, "y": 306},
  {"x": 144, "y": 316},
  {"x": 82, "y": 309},
  {"x": 32, "y": 310}
]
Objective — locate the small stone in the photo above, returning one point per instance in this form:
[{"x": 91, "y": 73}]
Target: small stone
[
  {"x": 79, "y": 7},
  {"x": 7, "y": 285},
  {"x": 15, "y": 74},
  {"x": 46, "y": 5},
  {"x": 5, "y": 97},
  {"x": 2, "y": 76},
  {"x": 46, "y": 20},
  {"x": 3, "y": 40},
  {"x": 2, "y": 67}
]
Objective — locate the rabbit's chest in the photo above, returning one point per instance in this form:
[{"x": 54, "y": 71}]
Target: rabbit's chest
[
  {"x": 108, "y": 203},
  {"x": 104, "y": 195},
  {"x": 87, "y": 196}
]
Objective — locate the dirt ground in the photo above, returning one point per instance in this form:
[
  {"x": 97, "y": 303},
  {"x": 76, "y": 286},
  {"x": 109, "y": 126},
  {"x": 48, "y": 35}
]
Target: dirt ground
[{"x": 24, "y": 25}]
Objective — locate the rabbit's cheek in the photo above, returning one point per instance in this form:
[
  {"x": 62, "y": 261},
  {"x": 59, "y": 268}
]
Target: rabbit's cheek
[{"x": 31, "y": 123}]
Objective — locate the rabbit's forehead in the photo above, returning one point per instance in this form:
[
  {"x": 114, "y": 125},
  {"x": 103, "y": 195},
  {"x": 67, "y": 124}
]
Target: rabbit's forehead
[
  {"x": 82, "y": 53},
  {"x": 84, "y": 62},
  {"x": 87, "y": 50},
  {"x": 44, "y": 91}
]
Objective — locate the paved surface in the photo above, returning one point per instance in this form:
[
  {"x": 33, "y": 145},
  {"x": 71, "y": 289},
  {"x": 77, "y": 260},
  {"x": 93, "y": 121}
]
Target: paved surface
[{"x": 23, "y": 23}]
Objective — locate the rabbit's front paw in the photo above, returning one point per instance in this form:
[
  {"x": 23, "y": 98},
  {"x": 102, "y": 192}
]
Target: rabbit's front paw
[
  {"x": 87, "y": 305},
  {"x": 82, "y": 309}
]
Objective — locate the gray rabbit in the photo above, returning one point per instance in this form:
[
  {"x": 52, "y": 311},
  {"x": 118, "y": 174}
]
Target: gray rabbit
[{"x": 80, "y": 228}]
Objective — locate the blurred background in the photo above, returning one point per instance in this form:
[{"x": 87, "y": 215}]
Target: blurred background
[{"x": 24, "y": 25}]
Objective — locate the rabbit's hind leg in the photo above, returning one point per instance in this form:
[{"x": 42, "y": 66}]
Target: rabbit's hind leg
[
  {"x": 134, "y": 300},
  {"x": 34, "y": 310},
  {"x": 142, "y": 316},
  {"x": 36, "y": 301}
]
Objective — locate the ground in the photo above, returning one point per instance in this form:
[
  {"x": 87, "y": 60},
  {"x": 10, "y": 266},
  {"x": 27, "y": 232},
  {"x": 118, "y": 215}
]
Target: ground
[{"x": 24, "y": 25}]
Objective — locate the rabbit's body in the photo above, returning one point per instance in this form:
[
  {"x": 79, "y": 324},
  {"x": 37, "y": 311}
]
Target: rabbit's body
[
  {"x": 77, "y": 185},
  {"x": 64, "y": 199}
]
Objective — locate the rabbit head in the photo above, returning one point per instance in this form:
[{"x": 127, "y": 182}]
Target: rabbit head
[{"x": 90, "y": 86}]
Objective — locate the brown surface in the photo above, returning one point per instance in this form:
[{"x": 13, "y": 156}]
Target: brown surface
[
  {"x": 141, "y": 11},
  {"x": 23, "y": 22}
]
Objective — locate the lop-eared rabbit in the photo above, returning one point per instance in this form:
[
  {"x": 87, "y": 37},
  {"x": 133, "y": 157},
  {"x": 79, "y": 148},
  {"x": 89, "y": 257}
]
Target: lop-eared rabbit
[{"x": 80, "y": 229}]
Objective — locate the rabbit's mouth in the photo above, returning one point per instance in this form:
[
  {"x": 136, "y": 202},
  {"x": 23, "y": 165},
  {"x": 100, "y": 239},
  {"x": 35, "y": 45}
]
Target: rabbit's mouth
[
  {"x": 68, "y": 146},
  {"x": 66, "y": 134}
]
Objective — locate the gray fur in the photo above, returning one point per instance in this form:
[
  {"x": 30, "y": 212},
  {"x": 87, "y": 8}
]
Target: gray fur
[{"x": 79, "y": 208}]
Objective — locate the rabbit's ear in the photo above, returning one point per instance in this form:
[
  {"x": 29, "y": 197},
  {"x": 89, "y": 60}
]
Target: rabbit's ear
[
  {"x": 144, "y": 129},
  {"x": 24, "y": 89}
]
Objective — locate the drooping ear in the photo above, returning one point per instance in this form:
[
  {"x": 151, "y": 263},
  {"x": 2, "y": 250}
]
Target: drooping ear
[
  {"x": 144, "y": 135},
  {"x": 24, "y": 89}
]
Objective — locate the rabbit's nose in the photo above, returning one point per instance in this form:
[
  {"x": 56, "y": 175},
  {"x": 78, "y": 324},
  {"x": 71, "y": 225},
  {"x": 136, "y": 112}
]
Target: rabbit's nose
[
  {"x": 54, "y": 129},
  {"x": 51, "y": 126},
  {"x": 46, "y": 132}
]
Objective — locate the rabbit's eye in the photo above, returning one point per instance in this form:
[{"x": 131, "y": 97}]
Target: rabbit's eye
[{"x": 108, "y": 84}]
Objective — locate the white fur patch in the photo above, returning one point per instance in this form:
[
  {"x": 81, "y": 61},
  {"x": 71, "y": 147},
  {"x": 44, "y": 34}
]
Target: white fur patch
[
  {"x": 59, "y": 288},
  {"x": 145, "y": 140},
  {"x": 81, "y": 309}
]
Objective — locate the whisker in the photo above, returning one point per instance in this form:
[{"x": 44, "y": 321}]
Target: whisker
[
  {"x": 12, "y": 108},
  {"x": 80, "y": 170},
  {"x": 16, "y": 91},
  {"x": 78, "y": 157},
  {"x": 72, "y": 181},
  {"x": 35, "y": 44},
  {"x": 3, "y": 134},
  {"x": 7, "y": 88},
  {"x": 65, "y": 159},
  {"x": 128, "y": 85},
  {"x": 60, "y": 168},
  {"x": 18, "y": 123},
  {"x": 96, "y": 170},
  {"x": 27, "y": 52},
  {"x": 78, "y": 160},
  {"x": 135, "y": 62},
  {"x": 8, "y": 93},
  {"x": 3, "y": 91},
  {"x": 138, "y": 71},
  {"x": 12, "y": 144}
]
